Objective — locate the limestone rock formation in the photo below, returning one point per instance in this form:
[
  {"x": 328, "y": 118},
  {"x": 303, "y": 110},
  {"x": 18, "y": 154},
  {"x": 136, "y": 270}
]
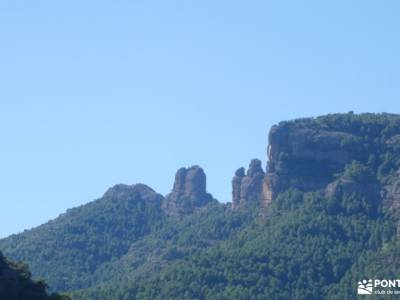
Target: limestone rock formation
[
  {"x": 248, "y": 188},
  {"x": 189, "y": 192},
  {"x": 305, "y": 158}
]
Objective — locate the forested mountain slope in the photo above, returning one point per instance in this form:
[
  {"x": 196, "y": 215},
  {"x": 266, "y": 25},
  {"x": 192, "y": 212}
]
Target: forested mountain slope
[
  {"x": 322, "y": 216},
  {"x": 68, "y": 249}
]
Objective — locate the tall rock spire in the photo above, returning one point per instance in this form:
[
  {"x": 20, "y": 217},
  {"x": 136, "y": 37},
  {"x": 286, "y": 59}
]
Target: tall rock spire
[
  {"x": 189, "y": 192},
  {"x": 248, "y": 188}
]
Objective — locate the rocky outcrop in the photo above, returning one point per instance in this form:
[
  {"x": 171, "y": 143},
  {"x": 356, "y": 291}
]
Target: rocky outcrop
[
  {"x": 392, "y": 193},
  {"x": 305, "y": 158},
  {"x": 135, "y": 191},
  {"x": 248, "y": 187},
  {"x": 189, "y": 192},
  {"x": 348, "y": 186},
  {"x": 392, "y": 199}
]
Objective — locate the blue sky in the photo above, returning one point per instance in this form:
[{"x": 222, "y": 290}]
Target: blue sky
[{"x": 94, "y": 93}]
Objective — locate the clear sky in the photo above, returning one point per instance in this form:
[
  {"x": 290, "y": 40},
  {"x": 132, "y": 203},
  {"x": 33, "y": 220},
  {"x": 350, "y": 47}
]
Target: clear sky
[{"x": 94, "y": 93}]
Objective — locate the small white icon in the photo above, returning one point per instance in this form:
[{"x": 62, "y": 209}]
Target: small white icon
[{"x": 365, "y": 287}]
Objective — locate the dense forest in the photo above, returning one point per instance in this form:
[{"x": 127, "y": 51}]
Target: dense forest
[
  {"x": 16, "y": 283},
  {"x": 322, "y": 216}
]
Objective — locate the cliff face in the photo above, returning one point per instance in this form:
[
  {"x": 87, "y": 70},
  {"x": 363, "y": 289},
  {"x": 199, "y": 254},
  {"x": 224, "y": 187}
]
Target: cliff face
[
  {"x": 313, "y": 154},
  {"x": 300, "y": 158},
  {"x": 188, "y": 193},
  {"x": 305, "y": 158}
]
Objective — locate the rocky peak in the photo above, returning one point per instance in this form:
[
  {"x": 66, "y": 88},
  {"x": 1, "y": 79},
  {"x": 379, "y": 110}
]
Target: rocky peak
[
  {"x": 237, "y": 186},
  {"x": 188, "y": 192},
  {"x": 135, "y": 191},
  {"x": 190, "y": 181},
  {"x": 255, "y": 168},
  {"x": 248, "y": 187}
]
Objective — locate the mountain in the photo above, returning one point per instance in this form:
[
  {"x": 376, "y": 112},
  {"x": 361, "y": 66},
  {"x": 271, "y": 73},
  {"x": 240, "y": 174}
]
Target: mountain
[
  {"x": 321, "y": 217},
  {"x": 16, "y": 283},
  {"x": 116, "y": 234},
  {"x": 68, "y": 250}
]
